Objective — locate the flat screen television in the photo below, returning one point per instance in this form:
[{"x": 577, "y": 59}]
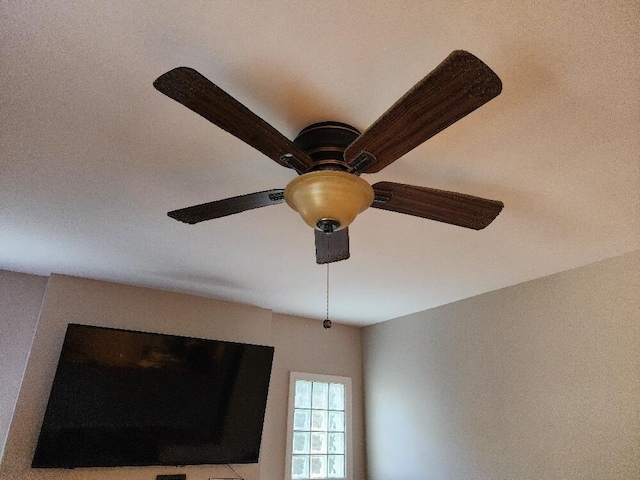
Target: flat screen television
[{"x": 123, "y": 398}]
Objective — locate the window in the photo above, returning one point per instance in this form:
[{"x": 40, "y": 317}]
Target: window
[{"x": 318, "y": 437}]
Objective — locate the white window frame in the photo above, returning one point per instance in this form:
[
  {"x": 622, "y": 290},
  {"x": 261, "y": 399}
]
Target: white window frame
[{"x": 314, "y": 377}]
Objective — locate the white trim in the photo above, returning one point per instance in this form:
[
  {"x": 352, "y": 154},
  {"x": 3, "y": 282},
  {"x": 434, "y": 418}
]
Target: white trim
[{"x": 315, "y": 377}]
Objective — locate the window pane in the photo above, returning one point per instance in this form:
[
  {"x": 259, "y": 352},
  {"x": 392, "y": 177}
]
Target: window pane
[
  {"x": 303, "y": 394},
  {"x": 300, "y": 466},
  {"x": 335, "y": 467},
  {"x": 320, "y": 394},
  {"x": 302, "y": 419},
  {"x": 336, "y": 396},
  {"x": 336, "y": 422},
  {"x": 318, "y": 466},
  {"x": 318, "y": 437},
  {"x": 336, "y": 443},
  {"x": 318, "y": 442},
  {"x": 301, "y": 442},
  {"x": 319, "y": 420}
]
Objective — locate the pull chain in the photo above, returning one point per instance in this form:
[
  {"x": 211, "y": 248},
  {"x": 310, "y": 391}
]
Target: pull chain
[{"x": 327, "y": 322}]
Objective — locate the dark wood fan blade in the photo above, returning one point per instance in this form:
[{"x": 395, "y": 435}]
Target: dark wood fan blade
[
  {"x": 191, "y": 89},
  {"x": 332, "y": 247},
  {"x": 447, "y": 207},
  {"x": 459, "y": 85},
  {"x": 228, "y": 206}
]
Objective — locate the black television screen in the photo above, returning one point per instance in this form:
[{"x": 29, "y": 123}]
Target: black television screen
[{"x": 121, "y": 398}]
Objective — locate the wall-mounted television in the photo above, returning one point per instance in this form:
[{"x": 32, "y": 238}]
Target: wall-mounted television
[{"x": 124, "y": 398}]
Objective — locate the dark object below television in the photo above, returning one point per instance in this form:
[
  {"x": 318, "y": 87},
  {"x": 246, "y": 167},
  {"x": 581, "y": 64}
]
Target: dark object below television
[{"x": 125, "y": 398}]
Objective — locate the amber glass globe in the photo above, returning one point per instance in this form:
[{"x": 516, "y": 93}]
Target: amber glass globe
[{"x": 328, "y": 195}]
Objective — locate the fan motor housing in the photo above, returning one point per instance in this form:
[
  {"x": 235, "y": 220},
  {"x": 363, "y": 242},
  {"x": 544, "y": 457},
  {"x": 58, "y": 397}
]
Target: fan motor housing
[{"x": 325, "y": 143}]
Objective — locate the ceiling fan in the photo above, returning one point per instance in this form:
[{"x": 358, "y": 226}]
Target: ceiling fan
[{"x": 330, "y": 156}]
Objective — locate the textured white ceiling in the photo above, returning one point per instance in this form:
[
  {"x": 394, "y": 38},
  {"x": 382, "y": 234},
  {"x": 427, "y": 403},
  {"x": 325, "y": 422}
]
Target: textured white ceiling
[{"x": 92, "y": 156}]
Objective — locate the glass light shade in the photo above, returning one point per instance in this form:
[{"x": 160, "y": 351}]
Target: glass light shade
[{"x": 328, "y": 195}]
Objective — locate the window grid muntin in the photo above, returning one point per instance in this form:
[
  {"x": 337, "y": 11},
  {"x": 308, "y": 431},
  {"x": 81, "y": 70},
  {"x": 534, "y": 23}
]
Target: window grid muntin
[{"x": 326, "y": 399}]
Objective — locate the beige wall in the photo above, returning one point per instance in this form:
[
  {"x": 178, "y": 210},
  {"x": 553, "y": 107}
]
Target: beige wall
[
  {"x": 539, "y": 380},
  {"x": 20, "y": 301},
  {"x": 304, "y": 346},
  {"x": 74, "y": 300}
]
